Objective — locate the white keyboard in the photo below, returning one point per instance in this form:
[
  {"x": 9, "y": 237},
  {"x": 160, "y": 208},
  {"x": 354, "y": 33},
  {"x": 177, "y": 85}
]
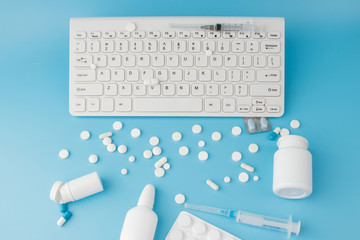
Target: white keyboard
[{"x": 142, "y": 66}]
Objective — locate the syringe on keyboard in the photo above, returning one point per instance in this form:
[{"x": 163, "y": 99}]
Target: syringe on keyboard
[{"x": 144, "y": 66}]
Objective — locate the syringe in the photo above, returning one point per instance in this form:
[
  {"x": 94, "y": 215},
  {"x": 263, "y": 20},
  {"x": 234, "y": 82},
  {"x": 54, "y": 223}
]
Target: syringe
[
  {"x": 218, "y": 26},
  {"x": 283, "y": 225}
]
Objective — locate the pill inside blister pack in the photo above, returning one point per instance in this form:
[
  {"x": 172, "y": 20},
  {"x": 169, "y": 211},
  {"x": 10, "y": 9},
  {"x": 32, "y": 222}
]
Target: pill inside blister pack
[{"x": 190, "y": 227}]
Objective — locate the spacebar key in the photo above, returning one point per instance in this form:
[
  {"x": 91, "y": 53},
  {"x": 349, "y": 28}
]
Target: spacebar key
[{"x": 167, "y": 104}]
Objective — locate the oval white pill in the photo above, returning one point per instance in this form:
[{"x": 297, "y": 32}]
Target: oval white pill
[
  {"x": 159, "y": 172},
  {"x": 122, "y": 149},
  {"x": 147, "y": 154},
  {"x": 253, "y": 148},
  {"x": 160, "y": 162},
  {"x": 176, "y": 136},
  {"x": 247, "y": 167},
  {"x": 93, "y": 158},
  {"x": 64, "y": 153},
  {"x": 107, "y": 141},
  {"x": 201, "y": 143},
  {"x": 111, "y": 147},
  {"x": 104, "y": 135},
  {"x": 203, "y": 156},
  {"x": 236, "y": 131},
  {"x": 117, "y": 125},
  {"x": 295, "y": 124},
  {"x": 184, "y": 151},
  {"x": 213, "y": 185},
  {"x": 156, "y": 151},
  {"x": 256, "y": 178},
  {"x": 135, "y": 133},
  {"x": 166, "y": 166},
  {"x": 216, "y": 136},
  {"x": 197, "y": 129},
  {"x": 180, "y": 198},
  {"x": 131, "y": 159},
  {"x": 85, "y": 135},
  {"x": 154, "y": 141},
  {"x": 124, "y": 171},
  {"x": 227, "y": 179},
  {"x": 243, "y": 177},
  {"x": 284, "y": 132},
  {"x": 236, "y": 156}
]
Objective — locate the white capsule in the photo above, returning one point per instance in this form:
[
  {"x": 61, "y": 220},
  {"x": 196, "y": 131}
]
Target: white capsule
[
  {"x": 93, "y": 158},
  {"x": 124, "y": 171},
  {"x": 201, "y": 143},
  {"x": 277, "y": 130},
  {"x": 64, "y": 153},
  {"x": 104, "y": 135},
  {"x": 166, "y": 166},
  {"x": 85, "y": 135},
  {"x": 111, "y": 147},
  {"x": 61, "y": 221},
  {"x": 154, "y": 141},
  {"x": 284, "y": 132},
  {"x": 256, "y": 178},
  {"x": 122, "y": 149},
  {"x": 131, "y": 159},
  {"x": 212, "y": 184},
  {"x": 196, "y": 129},
  {"x": 135, "y": 133},
  {"x": 227, "y": 179},
  {"x": 180, "y": 198},
  {"x": 216, "y": 136},
  {"x": 161, "y": 162},
  {"x": 295, "y": 124},
  {"x": 156, "y": 151},
  {"x": 184, "y": 151},
  {"x": 176, "y": 136},
  {"x": 147, "y": 154},
  {"x": 159, "y": 172},
  {"x": 107, "y": 141},
  {"x": 253, "y": 148},
  {"x": 247, "y": 167},
  {"x": 203, "y": 156},
  {"x": 236, "y": 131},
  {"x": 236, "y": 156},
  {"x": 243, "y": 177},
  {"x": 117, "y": 125}
]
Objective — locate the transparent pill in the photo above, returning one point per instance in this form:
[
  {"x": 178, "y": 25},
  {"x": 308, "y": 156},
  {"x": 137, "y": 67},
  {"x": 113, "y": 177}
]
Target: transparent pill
[
  {"x": 107, "y": 141},
  {"x": 85, "y": 135},
  {"x": 284, "y": 132},
  {"x": 263, "y": 123},
  {"x": 203, "y": 156},
  {"x": 251, "y": 125},
  {"x": 295, "y": 124},
  {"x": 93, "y": 158},
  {"x": 154, "y": 141},
  {"x": 131, "y": 159},
  {"x": 247, "y": 167},
  {"x": 213, "y": 185},
  {"x": 135, "y": 133},
  {"x": 196, "y": 129},
  {"x": 184, "y": 151},
  {"x": 216, "y": 136},
  {"x": 124, "y": 171},
  {"x": 236, "y": 131},
  {"x": 156, "y": 151},
  {"x": 201, "y": 143},
  {"x": 147, "y": 154},
  {"x": 256, "y": 178},
  {"x": 227, "y": 179},
  {"x": 166, "y": 166},
  {"x": 236, "y": 156},
  {"x": 104, "y": 135},
  {"x": 117, "y": 125},
  {"x": 176, "y": 136},
  {"x": 180, "y": 198},
  {"x": 243, "y": 177},
  {"x": 160, "y": 162},
  {"x": 253, "y": 148},
  {"x": 111, "y": 147},
  {"x": 64, "y": 153},
  {"x": 122, "y": 149},
  {"x": 159, "y": 172}
]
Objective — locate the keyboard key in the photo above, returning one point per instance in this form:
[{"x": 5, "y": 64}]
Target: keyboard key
[
  {"x": 165, "y": 46},
  {"x": 194, "y": 46},
  {"x": 167, "y": 104},
  {"x": 197, "y": 89},
  {"x": 212, "y": 105},
  {"x": 187, "y": 60},
  {"x": 95, "y": 35},
  {"x": 84, "y": 75},
  {"x": 183, "y": 89},
  {"x": 136, "y": 46},
  {"x": 125, "y": 89},
  {"x": 241, "y": 90},
  {"x": 123, "y": 35},
  {"x": 118, "y": 74},
  {"x": 259, "y": 61},
  {"x": 154, "y": 34},
  {"x": 88, "y": 89},
  {"x": 273, "y": 109},
  {"x": 161, "y": 74},
  {"x": 103, "y": 75},
  {"x": 237, "y": 46},
  {"x": 258, "y": 35},
  {"x": 243, "y": 108},
  {"x": 274, "y": 61},
  {"x": 223, "y": 46},
  {"x": 216, "y": 61},
  {"x": 93, "y": 104},
  {"x": 79, "y": 46},
  {"x": 180, "y": 46},
  {"x": 107, "y": 46},
  {"x": 110, "y": 89},
  {"x": 93, "y": 46},
  {"x": 201, "y": 60},
  {"x": 258, "y": 101},
  {"x": 154, "y": 90},
  {"x": 229, "y": 34},
  {"x": 242, "y": 34},
  {"x": 198, "y": 34},
  {"x": 114, "y": 60},
  {"x": 122, "y": 46},
  {"x": 219, "y": 75},
  {"x": 143, "y": 60},
  {"x": 228, "y": 105},
  {"x": 107, "y": 104},
  {"x": 150, "y": 46},
  {"x": 83, "y": 60},
  {"x": 268, "y": 75},
  {"x": 109, "y": 35},
  {"x": 270, "y": 46},
  {"x": 168, "y": 89},
  {"x": 139, "y": 89},
  {"x": 209, "y": 46},
  {"x": 138, "y": 34},
  {"x": 258, "y": 109},
  {"x": 100, "y": 60},
  {"x": 248, "y": 75},
  {"x": 123, "y": 104},
  {"x": 172, "y": 60},
  {"x": 157, "y": 60},
  {"x": 230, "y": 60},
  {"x": 190, "y": 75},
  {"x": 80, "y": 35},
  {"x": 244, "y": 60},
  {"x": 129, "y": 60},
  {"x": 169, "y": 34},
  {"x": 234, "y": 75},
  {"x": 212, "y": 89},
  {"x": 79, "y": 104},
  {"x": 147, "y": 74},
  {"x": 176, "y": 75},
  {"x": 205, "y": 75},
  {"x": 273, "y": 35},
  {"x": 252, "y": 46},
  {"x": 262, "y": 90},
  {"x": 184, "y": 34},
  {"x": 132, "y": 75},
  {"x": 226, "y": 89}
]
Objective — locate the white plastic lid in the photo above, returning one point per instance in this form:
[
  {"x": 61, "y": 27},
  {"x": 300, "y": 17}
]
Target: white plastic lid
[
  {"x": 293, "y": 141},
  {"x": 147, "y": 196},
  {"x": 55, "y": 191}
]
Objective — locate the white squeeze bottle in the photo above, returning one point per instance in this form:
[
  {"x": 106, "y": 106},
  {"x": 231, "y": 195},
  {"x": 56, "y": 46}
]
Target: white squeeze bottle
[{"x": 140, "y": 221}]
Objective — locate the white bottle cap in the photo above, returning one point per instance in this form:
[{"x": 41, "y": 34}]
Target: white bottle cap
[{"x": 147, "y": 196}]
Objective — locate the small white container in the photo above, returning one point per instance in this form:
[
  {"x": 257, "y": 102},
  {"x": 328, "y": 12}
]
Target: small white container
[
  {"x": 76, "y": 189},
  {"x": 292, "y": 168}
]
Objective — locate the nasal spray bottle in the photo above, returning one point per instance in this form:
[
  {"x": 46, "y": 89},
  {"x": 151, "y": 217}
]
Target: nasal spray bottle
[{"x": 140, "y": 221}]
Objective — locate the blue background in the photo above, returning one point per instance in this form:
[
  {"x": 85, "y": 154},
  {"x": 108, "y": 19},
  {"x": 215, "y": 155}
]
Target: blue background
[{"x": 322, "y": 91}]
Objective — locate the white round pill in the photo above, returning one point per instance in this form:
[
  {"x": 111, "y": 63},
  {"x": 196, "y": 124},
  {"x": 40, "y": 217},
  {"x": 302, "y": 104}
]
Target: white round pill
[
  {"x": 253, "y": 148},
  {"x": 236, "y": 131},
  {"x": 201, "y": 143},
  {"x": 176, "y": 136},
  {"x": 64, "y": 153},
  {"x": 166, "y": 166},
  {"x": 196, "y": 129},
  {"x": 111, "y": 147},
  {"x": 93, "y": 66},
  {"x": 117, "y": 125},
  {"x": 243, "y": 177},
  {"x": 203, "y": 156},
  {"x": 176, "y": 234},
  {"x": 107, "y": 141},
  {"x": 85, "y": 135},
  {"x": 236, "y": 156},
  {"x": 122, "y": 149},
  {"x": 180, "y": 198},
  {"x": 154, "y": 141},
  {"x": 256, "y": 178},
  {"x": 184, "y": 151},
  {"x": 124, "y": 171},
  {"x": 159, "y": 172},
  {"x": 284, "y": 132},
  {"x": 295, "y": 124},
  {"x": 227, "y": 179},
  {"x": 131, "y": 27},
  {"x": 214, "y": 235},
  {"x": 131, "y": 159},
  {"x": 156, "y": 151},
  {"x": 93, "y": 158},
  {"x": 208, "y": 53},
  {"x": 147, "y": 154},
  {"x": 199, "y": 228},
  {"x": 216, "y": 136},
  {"x": 184, "y": 221},
  {"x": 135, "y": 133}
]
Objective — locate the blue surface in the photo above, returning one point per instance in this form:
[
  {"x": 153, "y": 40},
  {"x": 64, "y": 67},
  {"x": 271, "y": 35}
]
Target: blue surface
[{"x": 322, "y": 89}]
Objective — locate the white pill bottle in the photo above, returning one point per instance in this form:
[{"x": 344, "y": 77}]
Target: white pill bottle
[{"x": 292, "y": 174}]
